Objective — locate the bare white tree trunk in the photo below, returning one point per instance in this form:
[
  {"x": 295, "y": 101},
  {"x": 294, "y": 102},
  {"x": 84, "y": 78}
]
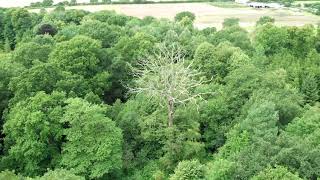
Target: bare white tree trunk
[{"x": 170, "y": 111}]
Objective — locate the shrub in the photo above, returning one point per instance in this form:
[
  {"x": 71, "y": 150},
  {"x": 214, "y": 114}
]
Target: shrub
[
  {"x": 183, "y": 14},
  {"x": 264, "y": 20}
]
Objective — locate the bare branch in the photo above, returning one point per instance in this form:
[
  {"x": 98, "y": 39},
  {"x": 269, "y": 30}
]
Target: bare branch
[{"x": 165, "y": 74}]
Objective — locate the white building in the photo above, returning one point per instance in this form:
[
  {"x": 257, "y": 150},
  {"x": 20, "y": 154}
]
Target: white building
[{"x": 276, "y": 5}]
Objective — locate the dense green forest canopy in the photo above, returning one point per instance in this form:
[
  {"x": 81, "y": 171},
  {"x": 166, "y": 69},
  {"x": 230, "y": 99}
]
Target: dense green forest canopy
[{"x": 107, "y": 96}]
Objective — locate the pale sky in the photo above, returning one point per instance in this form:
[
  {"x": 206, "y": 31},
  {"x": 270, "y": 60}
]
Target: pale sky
[{"x": 22, "y": 3}]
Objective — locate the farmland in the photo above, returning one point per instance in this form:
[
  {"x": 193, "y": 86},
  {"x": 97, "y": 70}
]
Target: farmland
[{"x": 208, "y": 14}]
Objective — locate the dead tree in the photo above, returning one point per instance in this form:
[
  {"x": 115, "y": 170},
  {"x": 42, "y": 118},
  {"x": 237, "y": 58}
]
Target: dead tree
[{"x": 168, "y": 76}]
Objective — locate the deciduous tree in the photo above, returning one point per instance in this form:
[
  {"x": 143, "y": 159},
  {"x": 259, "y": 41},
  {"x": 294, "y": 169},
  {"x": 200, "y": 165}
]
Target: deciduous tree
[
  {"x": 93, "y": 146},
  {"x": 167, "y": 76}
]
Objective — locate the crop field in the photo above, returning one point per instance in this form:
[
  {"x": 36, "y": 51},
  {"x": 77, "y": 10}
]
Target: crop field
[{"x": 209, "y": 14}]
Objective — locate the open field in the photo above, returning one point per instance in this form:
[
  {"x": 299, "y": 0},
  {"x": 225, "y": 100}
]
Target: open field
[
  {"x": 305, "y": 2},
  {"x": 207, "y": 14}
]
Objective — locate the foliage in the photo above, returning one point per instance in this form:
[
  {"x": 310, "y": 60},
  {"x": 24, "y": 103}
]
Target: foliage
[
  {"x": 8, "y": 70},
  {"x": 42, "y": 77},
  {"x": 92, "y": 148},
  {"x": 273, "y": 39},
  {"x": 8, "y": 175},
  {"x": 264, "y": 20},
  {"x": 230, "y": 22},
  {"x": 234, "y": 34},
  {"x": 300, "y": 148},
  {"x": 60, "y": 174},
  {"x": 180, "y": 16},
  {"x": 220, "y": 169},
  {"x": 50, "y": 175},
  {"x": 277, "y": 173},
  {"x": 188, "y": 170},
  {"x": 46, "y": 28},
  {"x": 47, "y": 2},
  {"x": 204, "y": 58},
  {"x": 34, "y": 133},
  {"x": 100, "y": 95},
  {"x": 106, "y": 33},
  {"x": 31, "y": 53}
]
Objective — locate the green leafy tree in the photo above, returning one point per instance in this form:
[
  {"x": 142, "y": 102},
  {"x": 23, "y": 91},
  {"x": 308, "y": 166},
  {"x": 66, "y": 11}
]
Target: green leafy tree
[
  {"x": 301, "y": 40},
  {"x": 189, "y": 42},
  {"x": 81, "y": 61},
  {"x": 9, "y": 175},
  {"x": 106, "y": 33},
  {"x": 109, "y": 17},
  {"x": 94, "y": 1},
  {"x": 61, "y": 174},
  {"x": 33, "y": 134},
  {"x": 50, "y": 175},
  {"x": 251, "y": 141},
  {"x": 67, "y": 33},
  {"x": 264, "y": 20},
  {"x": 2, "y": 26},
  {"x": 273, "y": 39},
  {"x": 209, "y": 31},
  {"x": 204, "y": 58},
  {"x": 93, "y": 146},
  {"x": 31, "y": 53},
  {"x": 183, "y": 141},
  {"x": 300, "y": 147},
  {"x": 73, "y": 2},
  {"x": 310, "y": 89},
  {"x": 127, "y": 52},
  {"x": 220, "y": 169},
  {"x": 275, "y": 88},
  {"x": 216, "y": 118},
  {"x": 222, "y": 64},
  {"x": 61, "y": 17},
  {"x": 74, "y": 16},
  {"x": 8, "y": 70},
  {"x": 42, "y": 77},
  {"x": 184, "y": 14},
  {"x": 47, "y": 3},
  {"x": 80, "y": 56},
  {"x": 140, "y": 131},
  {"x": 186, "y": 22},
  {"x": 277, "y": 173},
  {"x": 21, "y": 22},
  {"x": 8, "y": 32},
  {"x": 7, "y": 46},
  {"x": 236, "y": 35},
  {"x": 188, "y": 170}
]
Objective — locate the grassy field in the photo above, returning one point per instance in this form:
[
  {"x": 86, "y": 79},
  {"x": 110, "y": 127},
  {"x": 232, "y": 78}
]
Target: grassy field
[
  {"x": 227, "y": 5},
  {"x": 209, "y": 14},
  {"x": 305, "y": 2}
]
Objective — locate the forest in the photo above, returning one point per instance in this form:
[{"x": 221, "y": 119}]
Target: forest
[{"x": 107, "y": 96}]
